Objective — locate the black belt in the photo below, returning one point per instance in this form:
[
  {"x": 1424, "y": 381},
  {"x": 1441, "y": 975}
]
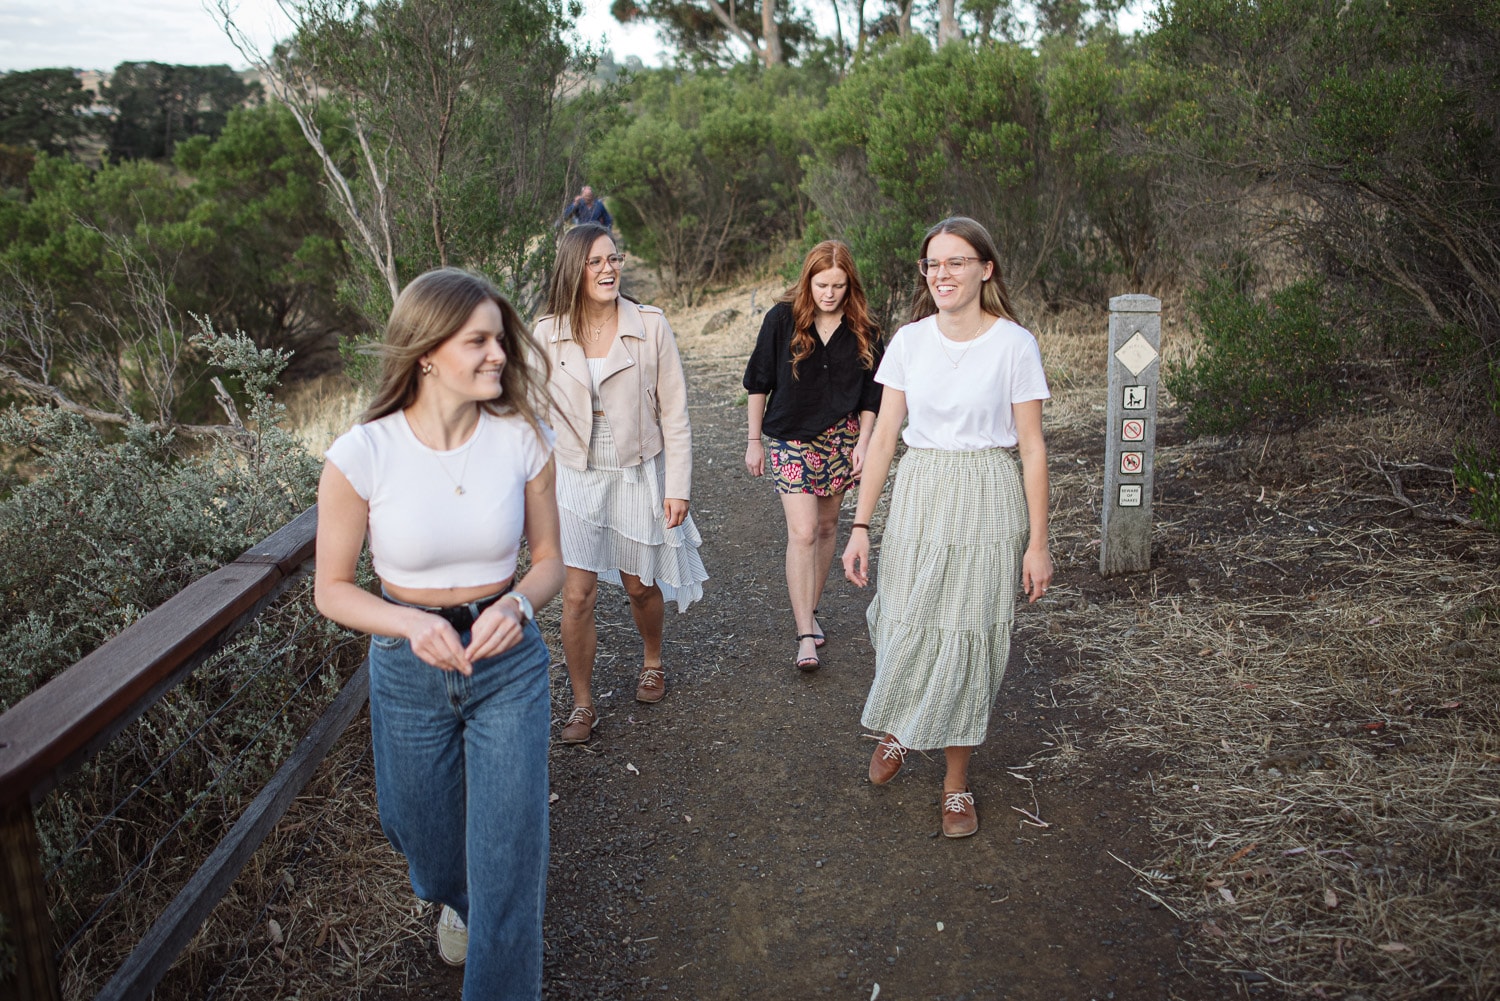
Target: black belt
[{"x": 460, "y": 617}]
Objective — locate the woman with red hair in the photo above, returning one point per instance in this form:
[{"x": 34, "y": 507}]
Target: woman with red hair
[{"x": 813, "y": 397}]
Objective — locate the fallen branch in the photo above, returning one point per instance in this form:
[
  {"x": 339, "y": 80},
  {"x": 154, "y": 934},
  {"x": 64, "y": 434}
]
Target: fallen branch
[
  {"x": 47, "y": 394},
  {"x": 1392, "y": 474}
]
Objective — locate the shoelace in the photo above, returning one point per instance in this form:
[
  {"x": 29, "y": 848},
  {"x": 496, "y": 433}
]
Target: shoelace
[
  {"x": 450, "y": 919},
  {"x": 892, "y": 749},
  {"x": 651, "y": 678},
  {"x": 582, "y": 714},
  {"x": 957, "y": 802}
]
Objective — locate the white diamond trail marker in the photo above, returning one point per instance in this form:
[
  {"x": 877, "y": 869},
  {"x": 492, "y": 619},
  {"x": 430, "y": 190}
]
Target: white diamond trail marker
[{"x": 1136, "y": 353}]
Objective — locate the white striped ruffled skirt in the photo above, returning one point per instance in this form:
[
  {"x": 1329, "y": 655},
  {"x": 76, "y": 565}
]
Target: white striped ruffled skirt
[
  {"x": 612, "y": 522},
  {"x": 945, "y": 595}
]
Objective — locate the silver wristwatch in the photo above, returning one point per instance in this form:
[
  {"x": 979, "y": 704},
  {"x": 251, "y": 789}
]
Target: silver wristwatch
[{"x": 523, "y": 604}]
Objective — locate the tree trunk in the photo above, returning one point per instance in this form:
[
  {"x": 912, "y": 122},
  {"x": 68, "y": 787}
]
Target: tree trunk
[
  {"x": 838, "y": 34},
  {"x": 903, "y": 26},
  {"x": 770, "y": 34},
  {"x": 948, "y": 30}
]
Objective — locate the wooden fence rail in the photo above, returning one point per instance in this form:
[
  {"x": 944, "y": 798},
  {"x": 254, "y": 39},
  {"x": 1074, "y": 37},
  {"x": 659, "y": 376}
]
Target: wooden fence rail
[{"x": 64, "y": 723}]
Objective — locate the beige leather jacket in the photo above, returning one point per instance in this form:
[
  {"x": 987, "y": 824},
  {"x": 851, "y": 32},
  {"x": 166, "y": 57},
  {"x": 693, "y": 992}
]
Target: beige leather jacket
[{"x": 643, "y": 391}]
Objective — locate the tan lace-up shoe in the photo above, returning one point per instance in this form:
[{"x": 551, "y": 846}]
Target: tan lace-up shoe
[
  {"x": 886, "y": 761},
  {"x": 580, "y": 726},
  {"x": 960, "y": 817},
  {"x": 652, "y": 686}
]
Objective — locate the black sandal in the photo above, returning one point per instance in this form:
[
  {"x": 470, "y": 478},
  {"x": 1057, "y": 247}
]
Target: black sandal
[
  {"x": 818, "y": 638},
  {"x": 807, "y": 664}
]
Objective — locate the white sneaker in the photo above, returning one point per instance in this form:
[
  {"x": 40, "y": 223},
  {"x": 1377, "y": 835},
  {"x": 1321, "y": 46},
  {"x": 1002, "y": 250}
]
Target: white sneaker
[{"x": 453, "y": 937}]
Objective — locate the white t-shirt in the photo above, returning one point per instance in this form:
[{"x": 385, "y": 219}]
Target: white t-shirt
[
  {"x": 422, "y": 532},
  {"x": 959, "y": 394}
]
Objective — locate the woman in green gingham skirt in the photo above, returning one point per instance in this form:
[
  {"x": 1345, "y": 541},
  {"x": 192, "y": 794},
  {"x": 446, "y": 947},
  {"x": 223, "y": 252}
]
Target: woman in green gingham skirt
[{"x": 967, "y": 526}]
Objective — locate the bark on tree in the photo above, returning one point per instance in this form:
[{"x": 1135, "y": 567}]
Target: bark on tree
[
  {"x": 948, "y": 29},
  {"x": 769, "y": 53},
  {"x": 770, "y": 33}
]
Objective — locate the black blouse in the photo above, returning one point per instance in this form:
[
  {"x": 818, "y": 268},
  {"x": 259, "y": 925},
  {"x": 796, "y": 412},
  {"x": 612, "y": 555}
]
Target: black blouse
[{"x": 831, "y": 383}]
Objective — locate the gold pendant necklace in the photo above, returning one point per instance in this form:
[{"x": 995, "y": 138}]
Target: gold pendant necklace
[
  {"x": 942, "y": 343},
  {"x": 458, "y": 484},
  {"x": 600, "y": 328}
]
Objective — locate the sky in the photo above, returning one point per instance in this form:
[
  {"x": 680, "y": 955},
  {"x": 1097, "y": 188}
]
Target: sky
[{"x": 101, "y": 34}]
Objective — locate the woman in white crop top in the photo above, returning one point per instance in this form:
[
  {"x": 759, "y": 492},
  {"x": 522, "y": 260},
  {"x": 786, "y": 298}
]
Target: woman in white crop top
[
  {"x": 448, "y": 468},
  {"x": 625, "y": 462},
  {"x": 967, "y": 525}
]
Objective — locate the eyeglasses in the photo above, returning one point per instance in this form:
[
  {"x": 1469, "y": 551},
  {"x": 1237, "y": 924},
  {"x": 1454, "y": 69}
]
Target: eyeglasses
[
  {"x": 955, "y": 265},
  {"x": 597, "y": 263}
]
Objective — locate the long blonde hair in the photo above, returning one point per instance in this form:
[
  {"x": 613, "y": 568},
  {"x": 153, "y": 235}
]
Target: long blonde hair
[
  {"x": 993, "y": 297},
  {"x": 433, "y": 308}
]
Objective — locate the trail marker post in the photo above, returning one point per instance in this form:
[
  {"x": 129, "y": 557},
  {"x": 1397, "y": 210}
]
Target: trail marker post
[{"x": 1130, "y": 437}]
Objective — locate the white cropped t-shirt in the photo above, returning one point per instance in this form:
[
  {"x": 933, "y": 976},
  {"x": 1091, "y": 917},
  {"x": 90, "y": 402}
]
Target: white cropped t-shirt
[
  {"x": 423, "y": 534},
  {"x": 959, "y": 394}
]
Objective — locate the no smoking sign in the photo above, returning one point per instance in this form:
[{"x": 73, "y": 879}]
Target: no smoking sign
[{"x": 1133, "y": 430}]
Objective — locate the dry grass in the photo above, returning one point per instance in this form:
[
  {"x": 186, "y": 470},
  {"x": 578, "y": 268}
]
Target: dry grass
[
  {"x": 321, "y": 409},
  {"x": 324, "y": 910},
  {"x": 1316, "y": 684}
]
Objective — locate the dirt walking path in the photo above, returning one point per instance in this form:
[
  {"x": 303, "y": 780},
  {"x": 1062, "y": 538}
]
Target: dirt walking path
[{"x": 727, "y": 844}]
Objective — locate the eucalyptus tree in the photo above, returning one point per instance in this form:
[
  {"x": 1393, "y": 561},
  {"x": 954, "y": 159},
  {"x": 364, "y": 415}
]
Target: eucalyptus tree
[{"x": 439, "y": 125}]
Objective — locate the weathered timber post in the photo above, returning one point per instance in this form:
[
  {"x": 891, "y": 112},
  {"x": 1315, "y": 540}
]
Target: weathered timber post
[
  {"x": 1130, "y": 436},
  {"x": 26, "y": 944}
]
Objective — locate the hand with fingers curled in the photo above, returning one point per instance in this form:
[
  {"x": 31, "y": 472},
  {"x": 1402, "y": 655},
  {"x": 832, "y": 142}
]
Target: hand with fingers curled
[
  {"x": 857, "y": 557},
  {"x": 755, "y": 457},
  {"x": 497, "y": 629},
  {"x": 1036, "y": 572},
  {"x": 435, "y": 640}
]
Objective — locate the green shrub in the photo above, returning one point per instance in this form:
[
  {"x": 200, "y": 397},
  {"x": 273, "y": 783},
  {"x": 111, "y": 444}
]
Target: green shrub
[
  {"x": 1264, "y": 364},
  {"x": 1028, "y": 142},
  {"x": 106, "y": 527},
  {"x": 1364, "y": 134},
  {"x": 704, "y": 175},
  {"x": 913, "y": 135},
  {"x": 1476, "y": 466},
  {"x": 97, "y": 528}
]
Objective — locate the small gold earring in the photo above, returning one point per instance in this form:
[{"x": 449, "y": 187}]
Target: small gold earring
[{"x": 427, "y": 369}]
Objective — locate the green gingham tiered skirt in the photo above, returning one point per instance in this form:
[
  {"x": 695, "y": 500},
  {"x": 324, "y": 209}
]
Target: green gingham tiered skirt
[{"x": 945, "y": 595}]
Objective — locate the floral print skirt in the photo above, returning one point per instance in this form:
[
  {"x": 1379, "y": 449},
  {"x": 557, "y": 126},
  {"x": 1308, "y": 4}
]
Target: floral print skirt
[{"x": 821, "y": 466}]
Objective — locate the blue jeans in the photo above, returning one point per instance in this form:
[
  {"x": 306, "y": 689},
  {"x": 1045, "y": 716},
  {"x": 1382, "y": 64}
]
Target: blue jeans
[{"x": 461, "y": 780}]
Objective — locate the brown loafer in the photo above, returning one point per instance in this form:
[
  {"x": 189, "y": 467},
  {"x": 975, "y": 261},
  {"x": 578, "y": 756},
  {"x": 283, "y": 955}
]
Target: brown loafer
[
  {"x": 580, "y": 725},
  {"x": 960, "y": 817},
  {"x": 652, "y": 686},
  {"x": 887, "y": 760}
]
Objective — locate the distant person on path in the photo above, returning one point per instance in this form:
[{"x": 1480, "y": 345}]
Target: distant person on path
[
  {"x": 813, "y": 397},
  {"x": 448, "y": 468},
  {"x": 585, "y": 208},
  {"x": 968, "y": 524},
  {"x": 625, "y": 462}
]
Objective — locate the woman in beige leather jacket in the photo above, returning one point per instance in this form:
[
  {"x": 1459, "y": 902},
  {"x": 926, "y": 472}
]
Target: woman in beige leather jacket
[{"x": 625, "y": 462}]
